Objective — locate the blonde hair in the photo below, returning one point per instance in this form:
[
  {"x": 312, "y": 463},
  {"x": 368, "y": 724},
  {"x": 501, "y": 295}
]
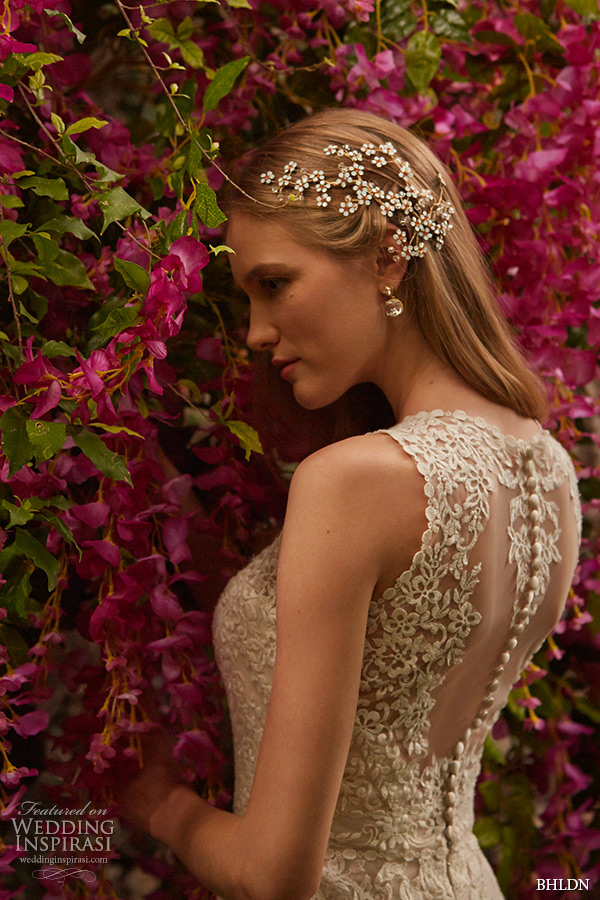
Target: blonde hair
[{"x": 449, "y": 291}]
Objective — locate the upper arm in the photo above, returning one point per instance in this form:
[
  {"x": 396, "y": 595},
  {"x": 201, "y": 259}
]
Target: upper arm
[{"x": 330, "y": 561}]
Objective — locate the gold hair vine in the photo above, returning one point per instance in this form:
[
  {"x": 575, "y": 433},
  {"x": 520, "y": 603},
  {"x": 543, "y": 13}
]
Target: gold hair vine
[{"x": 425, "y": 218}]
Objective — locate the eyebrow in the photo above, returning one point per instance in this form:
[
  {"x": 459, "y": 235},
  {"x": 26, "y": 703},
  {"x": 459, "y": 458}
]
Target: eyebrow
[{"x": 273, "y": 268}]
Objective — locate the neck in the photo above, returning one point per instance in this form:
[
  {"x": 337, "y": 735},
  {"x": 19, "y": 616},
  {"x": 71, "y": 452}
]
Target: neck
[{"x": 414, "y": 378}]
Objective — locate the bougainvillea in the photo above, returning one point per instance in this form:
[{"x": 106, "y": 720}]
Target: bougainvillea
[{"x": 123, "y": 366}]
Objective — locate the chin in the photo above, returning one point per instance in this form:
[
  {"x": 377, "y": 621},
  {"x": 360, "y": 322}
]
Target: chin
[{"x": 311, "y": 401}]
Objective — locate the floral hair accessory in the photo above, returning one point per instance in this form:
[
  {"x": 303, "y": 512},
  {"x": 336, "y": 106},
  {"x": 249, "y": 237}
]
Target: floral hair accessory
[{"x": 423, "y": 217}]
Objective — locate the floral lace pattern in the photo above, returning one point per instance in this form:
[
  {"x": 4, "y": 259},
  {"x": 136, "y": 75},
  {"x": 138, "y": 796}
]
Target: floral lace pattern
[{"x": 390, "y": 838}]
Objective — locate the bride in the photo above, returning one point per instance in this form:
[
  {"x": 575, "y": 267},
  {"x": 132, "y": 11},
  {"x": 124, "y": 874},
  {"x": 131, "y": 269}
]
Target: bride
[{"x": 368, "y": 651}]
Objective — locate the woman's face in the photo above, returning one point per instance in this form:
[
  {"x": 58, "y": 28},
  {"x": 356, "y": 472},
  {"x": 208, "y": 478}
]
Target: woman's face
[{"x": 322, "y": 319}]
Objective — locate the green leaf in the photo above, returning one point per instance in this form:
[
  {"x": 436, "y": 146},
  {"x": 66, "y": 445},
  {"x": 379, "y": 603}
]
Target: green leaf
[
  {"x": 64, "y": 531},
  {"x": 17, "y": 646},
  {"x": 46, "y": 438},
  {"x": 10, "y": 231},
  {"x": 10, "y": 201},
  {"x": 15, "y": 442},
  {"x": 206, "y": 206},
  {"x": 450, "y": 24},
  {"x": 585, "y": 7},
  {"x": 58, "y": 500},
  {"x": 162, "y": 30},
  {"x": 85, "y": 124},
  {"x": 114, "y": 429},
  {"x": 220, "y": 248},
  {"x": 397, "y": 20},
  {"x": 81, "y": 156},
  {"x": 402, "y": 27},
  {"x": 491, "y": 792},
  {"x": 20, "y": 285},
  {"x": 27, "y": 545},
  {"x": 588, "y": 709},
  {"x": 66, "y": 269},
  {"x": 488, "y": 833},
  {"x": 134, "y": 276},
  {"x": 51, "y": 349},
  {"x": 423, "y": 55},
  {"x": 70, "y": 224},
  {"x": 35, "y": 61},
  {"x": 247, "y": 435},
  {"x": 57, "y": 122},
  {"x": 25, "y": 268},
  {"x": 493, "y": 752},
  {"x": 196, "y": 161},
  {"x": 47, "y": 249},
  {"x": 185, "y": 29},
  {"x": 16, "y": 593},
  {"x": 72, "y": 28},
  {"x": 239, "y": 4},
  {"x": 117, "y": 204},
  {"x": 192, "y": 54},
  {"x": 223, "y": 82},
  {"x": 532, "y": 28},
  {"x": 116, "y": 321},
  {"x": 46, "y": 187},
  {"x": 494, "y": 37},
  {"x": 178, "y": 226},
  {"x": 19, "y": 515},
  {"x": 110, "y": 464}
]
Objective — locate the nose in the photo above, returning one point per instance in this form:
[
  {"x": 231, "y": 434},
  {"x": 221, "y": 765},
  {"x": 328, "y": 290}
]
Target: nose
[{"x": 262, "y": 332}]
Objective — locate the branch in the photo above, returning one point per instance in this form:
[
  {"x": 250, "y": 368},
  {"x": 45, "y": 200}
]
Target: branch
[
  {"x": 11, "y": 297},
  {"x": 183, "y": 123}
]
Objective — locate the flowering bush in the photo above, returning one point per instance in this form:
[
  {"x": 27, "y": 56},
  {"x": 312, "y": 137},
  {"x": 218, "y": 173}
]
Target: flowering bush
[{"x": 120, "y": 331}]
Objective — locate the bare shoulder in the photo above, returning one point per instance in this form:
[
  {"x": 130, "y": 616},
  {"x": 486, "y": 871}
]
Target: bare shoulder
[
  {"x": 359, "y": 465},
  {"x": 368, "y": 491}
]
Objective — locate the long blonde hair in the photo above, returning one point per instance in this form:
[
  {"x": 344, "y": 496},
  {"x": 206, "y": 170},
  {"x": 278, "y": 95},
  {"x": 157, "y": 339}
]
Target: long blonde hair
[{"x": 449, "y": 291}]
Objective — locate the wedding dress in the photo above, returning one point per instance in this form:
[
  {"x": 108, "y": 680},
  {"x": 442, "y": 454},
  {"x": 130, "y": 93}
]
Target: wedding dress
[{"x": 443, "y": 646}]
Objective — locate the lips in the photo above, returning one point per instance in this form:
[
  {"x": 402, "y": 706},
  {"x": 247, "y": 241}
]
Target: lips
[{"x": 285, "y": 366}]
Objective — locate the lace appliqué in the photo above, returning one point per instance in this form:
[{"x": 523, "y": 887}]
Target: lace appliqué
[{"x": 402, "y": 828}]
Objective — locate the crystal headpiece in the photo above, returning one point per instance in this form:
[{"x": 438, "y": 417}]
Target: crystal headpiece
[{"x": 423, "y": 217}]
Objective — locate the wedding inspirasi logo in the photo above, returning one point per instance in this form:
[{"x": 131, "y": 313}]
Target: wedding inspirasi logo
[{"x": 57, "y": 837}]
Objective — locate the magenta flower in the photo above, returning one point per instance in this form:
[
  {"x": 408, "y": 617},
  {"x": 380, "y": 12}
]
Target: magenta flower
[
  {"x": 528, "y": 702},
  {"x": 31, "y": 723},
  {"x": 164, "y": 602},
  {"x": 15, "y": 775}
]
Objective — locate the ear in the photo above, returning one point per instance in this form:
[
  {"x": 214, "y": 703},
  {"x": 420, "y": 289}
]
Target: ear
[{"x": 390, "y": 267}]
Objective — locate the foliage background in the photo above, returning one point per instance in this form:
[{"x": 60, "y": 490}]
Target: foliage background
[{"x": 115, "y": 122}]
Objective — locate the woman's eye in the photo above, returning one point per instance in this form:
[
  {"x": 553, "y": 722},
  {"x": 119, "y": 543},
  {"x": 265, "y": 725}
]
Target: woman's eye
[{"x": 271, "y": 285}]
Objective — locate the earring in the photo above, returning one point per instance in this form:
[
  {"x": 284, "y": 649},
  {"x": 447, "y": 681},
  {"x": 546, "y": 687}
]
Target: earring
[{"x": 393, "y": 305}]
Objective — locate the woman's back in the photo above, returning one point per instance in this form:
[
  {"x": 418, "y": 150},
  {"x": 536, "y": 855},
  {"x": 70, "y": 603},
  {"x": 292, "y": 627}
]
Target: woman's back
[{"x": 443, "y": 646}]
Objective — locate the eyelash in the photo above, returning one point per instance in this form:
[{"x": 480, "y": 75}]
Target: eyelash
[{"x": 271, "y": 285}]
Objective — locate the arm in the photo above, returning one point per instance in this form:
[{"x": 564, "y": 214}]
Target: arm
[{"x": 330, "y": 562}]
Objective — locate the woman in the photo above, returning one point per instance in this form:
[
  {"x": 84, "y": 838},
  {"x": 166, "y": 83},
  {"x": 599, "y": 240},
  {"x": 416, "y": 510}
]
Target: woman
[{"x": 418, "y": 568}]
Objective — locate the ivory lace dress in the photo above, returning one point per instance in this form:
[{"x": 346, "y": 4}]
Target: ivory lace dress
[{"x": 443, "y": 646}]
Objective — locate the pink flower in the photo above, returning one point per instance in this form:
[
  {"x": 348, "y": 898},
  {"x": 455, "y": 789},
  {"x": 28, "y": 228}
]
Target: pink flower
[
  {"x": 529, "y": 702},
  {"x": 100, "y": 753},
  {"x": 10, "y": 45},
  {"x": 534, "y": 723},
  {"x": 175, "y": 275},
  {"x": 10, "y": 810},
  {"x": 164, "y": 602},
  {"x": 14, "y": 775},
  {"x": 31, "y": 723}
]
